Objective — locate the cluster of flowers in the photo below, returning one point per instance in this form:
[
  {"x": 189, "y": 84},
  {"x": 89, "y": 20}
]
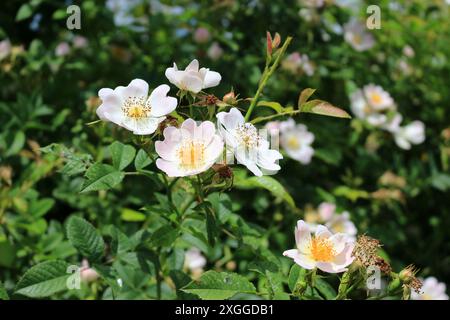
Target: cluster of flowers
[
  {"x": 192, "y": 148},
  {"x": 376, "y": 106}
]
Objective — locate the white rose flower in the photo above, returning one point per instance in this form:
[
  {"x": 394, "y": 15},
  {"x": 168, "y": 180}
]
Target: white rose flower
[
  {"x": 188, "y": 150},
  {"x": 248, "y": 146},
  {"x": 215, "y": 51},
  {"x": 341, "y": 223},
  {"x": 371, "y": 103},
  {"x": 413, "y": 133},
  {"x": 431, "y": 289},
  {"x": 131, "y": 108},
  {"x": 328, "y": 252},
  {"x": 194, "y": 260},
  {"x": 5, "y": 49},
  {"x": 296, "y": 140},
  {"x": 356, "y": 35},
  {"x": 192, "y": 78}
]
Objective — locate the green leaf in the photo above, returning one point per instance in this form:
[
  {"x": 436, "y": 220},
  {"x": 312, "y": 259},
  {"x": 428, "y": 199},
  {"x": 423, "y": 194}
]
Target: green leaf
[
  {"x": 271, "y": 104},
  {"x": 214, "y": 285},
  {"x": 142, "y": 160},
  {"x": 164, "y": 236},
  {"x": 25, "y": 11},
  {"x": 16, "y": 144},
  {"x": 323, "y": 108},
  {"x": 267, "y": 183},
  {"x": 325, "y": 289},
  {"x": 3, "y": 293},
  {"x": 122, "y": 155},
  {"x": 59, "y": 14},
  {"x": 295, "y": 275},
  {"x": 85, "y": 238},
  {"x": 44, "y": 279},
  {"x": 275, "y": 286},
  {"x": 101, "y": 177},
  {"x": 132, "y": 215},
  {"x": 304, "y": 96}
]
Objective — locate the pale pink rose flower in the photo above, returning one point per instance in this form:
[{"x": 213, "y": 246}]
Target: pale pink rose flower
[
  {"x": 192, "y": 78},
  {"x": 188, "y": 150},
  {"x": 431, "y": 289},
  {"x": 215, "y": 51},
  {"x": 413, "y": 133},
  {"x": 201, "y": 35},
  {"x": 62, "y": 49},
  {"x": 356, "y": 34},
  {"x": 5, "y": 49},
  {"x": 80, "y": 42},
  {"x": 326, "y": 211},
  {"x": 328, "y": 252}
]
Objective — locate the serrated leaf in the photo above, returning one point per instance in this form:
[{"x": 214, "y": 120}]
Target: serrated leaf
[
  {"x": 3, "y": 293},
  {"x": 304, "y": 96},
  {"x": 214, "y": 285},
  {"x": 267, "y": 183},
  {"x": 44, "y": 279},
  {"x": 122, "y": 155},
  {"x": 323, "y": 108},
  {"x": 101, "y": 177},
  {"x": 275, "y": 286},
  {"x": 164, "y": 236},
  {"x": 85, "y": 238},
  {"x": 142, "y": 160}
]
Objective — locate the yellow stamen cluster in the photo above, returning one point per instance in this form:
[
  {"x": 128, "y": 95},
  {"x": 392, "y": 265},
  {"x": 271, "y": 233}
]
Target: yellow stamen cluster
[
  {"x": 192, "y": 155},
  {"x": 376, "y": 98},
  {"x": 248, "y": 135},
  {"x": 322, "y": 249},
  {"x": 136, "y": 107},
  {"x": 293, "y": 143}
]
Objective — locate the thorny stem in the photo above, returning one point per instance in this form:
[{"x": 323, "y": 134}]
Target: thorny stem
[{"x": 266, "y": 75}]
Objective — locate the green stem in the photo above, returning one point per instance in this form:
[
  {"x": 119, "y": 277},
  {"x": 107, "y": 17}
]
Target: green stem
[
  {"x": 289, "y": 113},
  {"x": 266, "y": 75}
]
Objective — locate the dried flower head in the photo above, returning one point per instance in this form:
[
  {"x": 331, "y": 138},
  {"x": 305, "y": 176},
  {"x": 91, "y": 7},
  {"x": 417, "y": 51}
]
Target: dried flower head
[
  {"x": 409, "y": 279},
  {"x": 366, "y": 254}
]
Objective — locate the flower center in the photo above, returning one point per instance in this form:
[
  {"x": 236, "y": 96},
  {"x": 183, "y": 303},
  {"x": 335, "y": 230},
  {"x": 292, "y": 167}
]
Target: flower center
[
  {"x": 136, "y": 107},
  {"x": 192, "y": 155},
  {"x": 376, "y": 98},
  {"x": 293, "y": 143},
  {"x": 248, "y": 135},
  {"x": 357, "y": 39},
  {"x": 322, "y": 249}
]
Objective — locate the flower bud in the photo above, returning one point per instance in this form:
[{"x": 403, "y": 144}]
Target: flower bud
[
  {"x": 229, "y": 98},
  {"x": 276, "y": 41}
]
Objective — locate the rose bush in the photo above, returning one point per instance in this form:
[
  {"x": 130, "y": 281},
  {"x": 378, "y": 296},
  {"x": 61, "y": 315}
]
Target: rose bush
[{"x": 170, "y": 150}]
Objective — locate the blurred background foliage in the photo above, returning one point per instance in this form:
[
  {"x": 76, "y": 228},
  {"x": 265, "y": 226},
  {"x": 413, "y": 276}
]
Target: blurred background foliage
[{"x": 50, "y": 79}]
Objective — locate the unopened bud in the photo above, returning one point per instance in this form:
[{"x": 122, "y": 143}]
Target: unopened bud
[
  {"x": 230, "y": 98},
  {"x": 408, "y": 274},
  {"x": 276, "y": 41},
  {"x": 269, "y": 43}
]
